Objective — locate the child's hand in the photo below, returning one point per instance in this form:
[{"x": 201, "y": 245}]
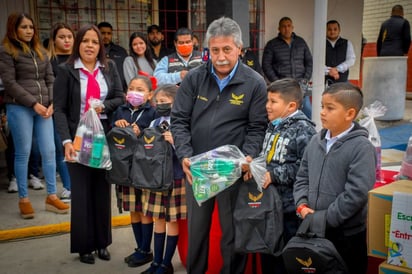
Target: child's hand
[
  {"x": 268, "y": 180},
  {"x": 136, "y": 129},
  {"x": 305, "y": 211},
  {"x": 168, "y": 137},
  {"x": 121, "y": 123}
]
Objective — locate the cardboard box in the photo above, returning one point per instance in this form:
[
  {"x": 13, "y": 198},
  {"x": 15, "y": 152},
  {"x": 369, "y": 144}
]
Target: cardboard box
[
  {"x": 385, "y": 268},
  {"x": 379, "y": 211},
  {"x": 400, "y": 234}
]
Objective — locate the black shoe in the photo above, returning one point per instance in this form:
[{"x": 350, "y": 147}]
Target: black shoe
[
  {"x": 87, "y": 258},
  {"x": 103, "y": 254},
  {"x": 165, "y": 269},
  {"x": 139, "y": 258},
  {"x": 152, "y": 269},
  {"x": 127, "y": 259}
]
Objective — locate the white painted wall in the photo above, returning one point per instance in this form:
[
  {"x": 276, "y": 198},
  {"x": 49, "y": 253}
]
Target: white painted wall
[{"x": 348, "y": 12}]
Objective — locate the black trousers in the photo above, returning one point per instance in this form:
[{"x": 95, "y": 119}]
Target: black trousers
[
  {"x": 199, "y": 223},
  {"x": 353, "y": 249},
  {"x": 90, "y": 226}
]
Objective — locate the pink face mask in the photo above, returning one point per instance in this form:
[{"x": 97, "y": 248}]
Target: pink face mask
[{"x": 135, "y": 98}]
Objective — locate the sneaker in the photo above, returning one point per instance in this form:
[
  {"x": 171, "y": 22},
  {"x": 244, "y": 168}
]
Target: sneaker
[
  {"x": 56, "y": 206},
  {"x": 35, "y": 183},
  {"x": 26, "y": 210},
  {"x": 13, "y": 188},
  {"x": 65, "y": 196}
]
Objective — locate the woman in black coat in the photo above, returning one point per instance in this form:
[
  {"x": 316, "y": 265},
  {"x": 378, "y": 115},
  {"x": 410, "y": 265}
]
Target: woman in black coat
[{"x": 91, "y": 194}]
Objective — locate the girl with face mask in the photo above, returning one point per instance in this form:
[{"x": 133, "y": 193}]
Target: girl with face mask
[
  {"x": 138, "y": 113},
  {"x": 167, "y": 207}
]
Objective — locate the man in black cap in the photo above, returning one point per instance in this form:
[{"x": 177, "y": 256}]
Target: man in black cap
[{"x": 155, "y": 37}]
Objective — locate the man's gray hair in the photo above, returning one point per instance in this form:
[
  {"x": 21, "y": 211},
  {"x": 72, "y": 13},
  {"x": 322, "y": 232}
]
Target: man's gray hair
[{"x": 224, "y": 26}]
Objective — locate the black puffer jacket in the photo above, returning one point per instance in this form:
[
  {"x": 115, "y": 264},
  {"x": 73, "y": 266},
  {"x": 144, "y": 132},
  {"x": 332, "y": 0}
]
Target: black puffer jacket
[
  {"x": 281, "y": 61},
  {"x": 27, "y": 79}
]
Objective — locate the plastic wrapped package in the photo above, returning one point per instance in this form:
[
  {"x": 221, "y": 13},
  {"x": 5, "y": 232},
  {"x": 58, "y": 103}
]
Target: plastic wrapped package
[
  {"x": 376, "y": 109},
  {"x": 405, "y": 173},
  {"x": 216, "y": 170},
  {"x": 90, "y": 141}
]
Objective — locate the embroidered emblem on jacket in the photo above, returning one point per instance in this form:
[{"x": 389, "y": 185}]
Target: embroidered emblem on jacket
[{"x": 237, "y": 99}]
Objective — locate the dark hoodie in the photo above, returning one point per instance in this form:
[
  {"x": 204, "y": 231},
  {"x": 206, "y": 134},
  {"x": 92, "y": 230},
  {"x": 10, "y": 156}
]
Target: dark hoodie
[{"x": 338, "y": 180}]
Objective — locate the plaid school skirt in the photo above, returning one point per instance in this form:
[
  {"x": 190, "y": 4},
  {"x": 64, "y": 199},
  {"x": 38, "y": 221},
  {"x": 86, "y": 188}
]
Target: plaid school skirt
[
  {"x": 169, "y": 205},
  {"x": 131, "y": 198}
]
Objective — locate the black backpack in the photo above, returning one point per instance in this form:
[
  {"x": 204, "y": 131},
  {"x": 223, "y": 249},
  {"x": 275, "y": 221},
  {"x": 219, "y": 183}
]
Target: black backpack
[
  {"x": 310, "y": 252},
  {"x": 258, "y": 220},
  {"x": 122, "y": 143},
  {"x": 152, "y": 165}
]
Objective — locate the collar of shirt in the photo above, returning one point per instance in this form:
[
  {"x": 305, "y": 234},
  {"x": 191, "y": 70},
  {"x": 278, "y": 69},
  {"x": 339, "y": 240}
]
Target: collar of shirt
[
  {"x": 331, "y": 140},
  {"x": 222, "y": 83},
  {"x": 186, "y": 63},
  {"x": 333, "y": 43},
  {"x": 78, "y": 64}
]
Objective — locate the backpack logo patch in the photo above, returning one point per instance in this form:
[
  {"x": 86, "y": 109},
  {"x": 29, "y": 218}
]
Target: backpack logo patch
[
  {"x": 306, "y": 264},
  {"x": 237, "y": 99},
  {"x": 255, "y": 200},
  {"x": 148, "y": 142},
  {"x": 119, "y": 142}
]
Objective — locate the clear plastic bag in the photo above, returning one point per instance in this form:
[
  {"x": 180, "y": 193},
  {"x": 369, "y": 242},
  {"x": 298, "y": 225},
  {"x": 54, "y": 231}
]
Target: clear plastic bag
[
  {"x": 90, "y": 141},
  {"x": 258, "y": 170},
  {"x": 376, "y": 109},
  {"x": 405, "y": 173},
  {"x": 216, "y": 170}
]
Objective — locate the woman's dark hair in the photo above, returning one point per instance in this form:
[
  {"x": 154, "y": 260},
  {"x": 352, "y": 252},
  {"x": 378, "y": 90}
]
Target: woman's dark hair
[
  {"x": 101, "y": 56},
  {"x": 147, "y": 53}
]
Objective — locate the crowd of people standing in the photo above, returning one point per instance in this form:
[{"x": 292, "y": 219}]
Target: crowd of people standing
[{"x": 46, "y": 92}]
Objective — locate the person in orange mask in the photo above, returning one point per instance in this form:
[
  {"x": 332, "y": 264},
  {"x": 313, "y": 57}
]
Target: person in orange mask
[{"x": 173, "y": 68}]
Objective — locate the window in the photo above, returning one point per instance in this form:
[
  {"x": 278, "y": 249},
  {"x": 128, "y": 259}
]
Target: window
[{"x": 128, "y": 16}]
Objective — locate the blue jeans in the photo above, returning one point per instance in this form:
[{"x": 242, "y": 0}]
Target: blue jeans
[
  {"x": 24, "y": 122},
  {"x": 307, "y": 107},
  {"x": 60, "y": 163}
]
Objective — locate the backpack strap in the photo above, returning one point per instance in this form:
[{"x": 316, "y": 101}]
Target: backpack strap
[{"x": 314, "y": 225}]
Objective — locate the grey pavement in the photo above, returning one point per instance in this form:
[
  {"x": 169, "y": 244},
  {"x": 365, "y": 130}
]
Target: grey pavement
[{"x": 50, "y": 253}]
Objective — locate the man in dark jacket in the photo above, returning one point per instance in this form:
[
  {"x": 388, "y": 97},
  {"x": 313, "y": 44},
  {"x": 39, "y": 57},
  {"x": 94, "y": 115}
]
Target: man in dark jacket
[
  {"x": 115, "y": 52},
  {"x": 288, "y": 55},
  {"x": 218, "y": 103},
  {"x": 395, "y": 35}
]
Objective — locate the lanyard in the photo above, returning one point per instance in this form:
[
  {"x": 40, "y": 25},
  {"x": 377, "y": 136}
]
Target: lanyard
[{"x": 138, "y": 116}]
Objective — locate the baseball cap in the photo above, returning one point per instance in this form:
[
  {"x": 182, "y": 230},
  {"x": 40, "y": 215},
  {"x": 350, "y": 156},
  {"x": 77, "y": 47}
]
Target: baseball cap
[{"x": 153, "y": 27}]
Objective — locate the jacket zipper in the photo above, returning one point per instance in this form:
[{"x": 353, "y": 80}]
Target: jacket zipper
[{"x": 33, "y": 56}]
